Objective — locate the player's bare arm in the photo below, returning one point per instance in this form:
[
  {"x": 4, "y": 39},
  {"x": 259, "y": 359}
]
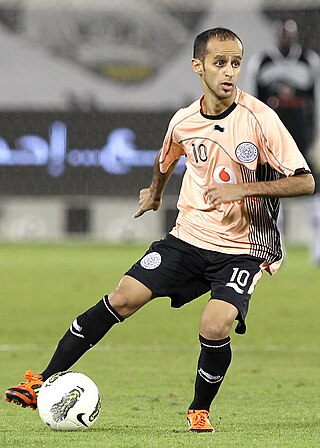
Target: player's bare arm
[
  {"x": 302, "y": 184},
  {"x": 150, "y": 198}
]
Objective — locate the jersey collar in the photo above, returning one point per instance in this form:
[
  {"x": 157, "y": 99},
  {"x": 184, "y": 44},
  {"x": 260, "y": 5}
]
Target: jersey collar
[{"x": 220, "y": 116}]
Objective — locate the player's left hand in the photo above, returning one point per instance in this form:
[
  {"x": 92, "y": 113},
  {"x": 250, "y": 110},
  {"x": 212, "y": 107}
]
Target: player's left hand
[{"x": 216, "y": 194}]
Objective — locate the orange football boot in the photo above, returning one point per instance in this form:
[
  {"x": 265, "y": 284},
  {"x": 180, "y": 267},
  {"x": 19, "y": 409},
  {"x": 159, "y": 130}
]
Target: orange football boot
[
  {"x": 25, "y": 394},
  {"x": 199, "y": 421}
]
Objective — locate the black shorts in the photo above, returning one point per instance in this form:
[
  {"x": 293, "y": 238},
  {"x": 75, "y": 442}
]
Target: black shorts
[{"x": 171, "y": 267}]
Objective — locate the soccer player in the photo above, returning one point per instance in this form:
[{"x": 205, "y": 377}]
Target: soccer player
[{"x": 240, "y": 160}]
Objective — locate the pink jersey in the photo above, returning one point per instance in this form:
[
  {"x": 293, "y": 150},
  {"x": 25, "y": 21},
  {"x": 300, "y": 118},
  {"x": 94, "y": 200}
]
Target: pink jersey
[{"x": 246, "y": 143}]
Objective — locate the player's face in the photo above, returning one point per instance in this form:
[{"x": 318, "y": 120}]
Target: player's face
[{"x": 220, "y": 69}]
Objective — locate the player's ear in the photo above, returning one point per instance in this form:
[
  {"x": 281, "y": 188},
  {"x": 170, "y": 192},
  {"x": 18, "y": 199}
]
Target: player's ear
[{"x": 197, "y": 66}]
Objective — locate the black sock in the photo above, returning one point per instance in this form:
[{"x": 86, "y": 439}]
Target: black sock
[
  {"x": 85, "y": 331},
  {"x": 214, "y": 360}
]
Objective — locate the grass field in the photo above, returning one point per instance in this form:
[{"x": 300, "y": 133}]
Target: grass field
[{"x": 145, "y": 367}]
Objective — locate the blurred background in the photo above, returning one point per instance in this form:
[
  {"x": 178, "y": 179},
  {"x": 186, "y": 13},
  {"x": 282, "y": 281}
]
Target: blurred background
[{"x": 86, "y": 93}]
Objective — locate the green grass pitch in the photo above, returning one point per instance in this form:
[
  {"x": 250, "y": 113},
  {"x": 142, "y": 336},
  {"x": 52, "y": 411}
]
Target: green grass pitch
[{"x": 145, "y": 367}]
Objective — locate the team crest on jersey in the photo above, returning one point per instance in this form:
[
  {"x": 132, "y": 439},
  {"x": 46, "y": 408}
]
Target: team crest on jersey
[
  {"x": 246, "y": 152},
  {"x": 222, "y": 175},
  {"x": 151, "y": 261}
]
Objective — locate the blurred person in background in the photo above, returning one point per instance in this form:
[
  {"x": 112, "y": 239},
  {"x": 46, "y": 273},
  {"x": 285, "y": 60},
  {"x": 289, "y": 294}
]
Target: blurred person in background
[{"x": 287, "y": 78}]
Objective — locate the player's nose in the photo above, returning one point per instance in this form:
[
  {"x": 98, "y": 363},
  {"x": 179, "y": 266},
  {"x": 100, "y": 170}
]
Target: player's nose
[{"x": 229, "y": 70}]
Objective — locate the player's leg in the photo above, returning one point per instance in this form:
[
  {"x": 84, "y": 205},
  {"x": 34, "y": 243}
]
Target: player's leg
[
  {"x": 214, "y": 360},
  {"x": 129, "y": 296},
  {"x": 233, "y": 278},
  {"x": 85, "y": 331},
  {"x": 170, "y": 267},
  {"x": 91, "y": 326}
]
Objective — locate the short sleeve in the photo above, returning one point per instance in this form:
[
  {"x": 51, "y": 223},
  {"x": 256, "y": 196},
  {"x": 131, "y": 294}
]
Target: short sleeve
[{"x": 171, "y": 150}]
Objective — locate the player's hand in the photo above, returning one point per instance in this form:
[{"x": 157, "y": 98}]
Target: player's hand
[
  {"x": 147, "y": 202},
  {"x": 216, "y": 194}
]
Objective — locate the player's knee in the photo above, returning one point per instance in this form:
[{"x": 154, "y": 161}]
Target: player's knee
[
  {"x": 127, "y": 301},
  {"x": 217, "y": 319},
  {"x": 121, "y": 303},
  {"x": 215, "y": 330}
]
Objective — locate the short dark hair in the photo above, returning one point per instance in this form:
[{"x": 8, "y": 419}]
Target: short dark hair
[{"x": 201, "y": 41}]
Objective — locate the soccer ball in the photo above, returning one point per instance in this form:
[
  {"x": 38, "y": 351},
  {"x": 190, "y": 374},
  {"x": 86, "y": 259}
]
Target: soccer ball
[{"x": 69, "y": 401}]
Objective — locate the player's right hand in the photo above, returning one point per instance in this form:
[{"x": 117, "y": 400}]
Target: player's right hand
[{"x": 147, "y": 202}]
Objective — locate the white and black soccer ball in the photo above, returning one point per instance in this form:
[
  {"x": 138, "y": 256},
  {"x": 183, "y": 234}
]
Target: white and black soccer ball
[{"x": 69, "y": 401}]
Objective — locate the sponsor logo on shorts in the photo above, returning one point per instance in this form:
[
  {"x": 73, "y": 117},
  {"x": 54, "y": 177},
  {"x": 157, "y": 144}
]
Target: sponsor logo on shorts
[
  {"x": 246, "y": 152},
  {"x": 151, "y": 261}
]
